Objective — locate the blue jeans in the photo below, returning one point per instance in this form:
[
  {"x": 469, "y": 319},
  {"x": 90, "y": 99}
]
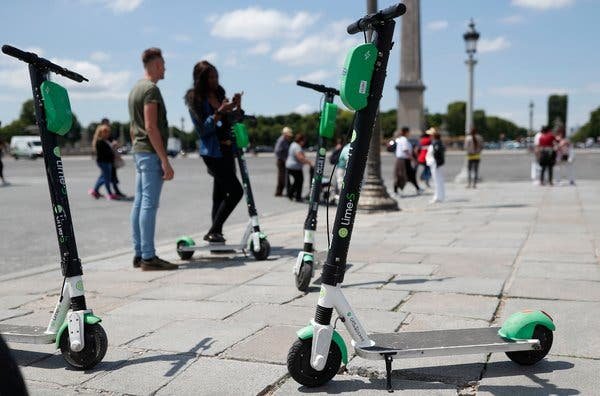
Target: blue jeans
[
  {"x": 148, "y": 183},
  {"x": 105, "y": 176}
]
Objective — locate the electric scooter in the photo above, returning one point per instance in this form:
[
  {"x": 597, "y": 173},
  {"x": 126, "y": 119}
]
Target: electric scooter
[
  {"x": 73, "y": 327},
  {"x": 317, "y": 354},
  {"x": 304, "y": 268},
  {"x": 253, "y": 240}
]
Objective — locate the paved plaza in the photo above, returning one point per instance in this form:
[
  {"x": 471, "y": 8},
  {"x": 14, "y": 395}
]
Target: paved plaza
[{"x": 223, "y": 325}]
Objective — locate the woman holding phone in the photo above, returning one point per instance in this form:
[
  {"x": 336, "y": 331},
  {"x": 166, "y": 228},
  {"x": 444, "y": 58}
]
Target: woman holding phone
[{"x": 210, "y": 110}]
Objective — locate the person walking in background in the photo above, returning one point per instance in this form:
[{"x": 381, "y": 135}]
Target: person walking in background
[
  {"x": 104, "y": 160},
  {"x": 117, "y": 161},
  {"x": 424, "y": 143},
  {"x": 3, "y": 147},
  {"x": 404, "y": 169},
  {"x": 473, "y": 147},
  {"x": 535, "y": 160},
  {"x": 340, "y": 169},
  {"x": 566, "y": 155},
  {"x": 149, "y": 132},
  {"x": 293, "y": 164},
  {"x": 210, "y": 111},
  {"x": 547, "y": 157},
  {"x": 281, "y": 152},
  {"x": 435, "y": 158}
]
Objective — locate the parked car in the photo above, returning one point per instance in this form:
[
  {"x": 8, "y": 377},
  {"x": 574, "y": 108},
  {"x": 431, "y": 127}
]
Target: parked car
[
  {"x": 263, "y": 149},
  {"x": 26, "y": 146}
]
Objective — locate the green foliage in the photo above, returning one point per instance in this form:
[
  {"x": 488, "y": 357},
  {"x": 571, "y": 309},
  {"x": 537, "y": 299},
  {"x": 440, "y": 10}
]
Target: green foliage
[
  {"x": 590, "y": 129},
  {"x": 434, "y": 120},
  {"x": 27, "y": 115},
  {"x": 557, "y": 109},
  {"x": 480, "y": 120},
  {"x": 496, "y": 127},
  {"x": 456, "y": 118}
]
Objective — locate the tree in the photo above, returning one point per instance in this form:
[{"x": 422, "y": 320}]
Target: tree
[
  {"x": 557, "y": 109},
  {"x": 27, "y": 115},
  {"x": 590, "y": 129},
  {"x": 456, "y": 117},
  {"x": 480, "y": 121}
]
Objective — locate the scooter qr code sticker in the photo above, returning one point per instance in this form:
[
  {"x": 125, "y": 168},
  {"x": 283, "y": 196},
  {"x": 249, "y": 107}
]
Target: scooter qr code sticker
[{"x": 362, "y": 89}]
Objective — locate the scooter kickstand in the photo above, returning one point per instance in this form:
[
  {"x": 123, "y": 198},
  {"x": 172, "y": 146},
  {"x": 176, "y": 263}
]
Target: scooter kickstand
[{"x": 388, "y": 370}]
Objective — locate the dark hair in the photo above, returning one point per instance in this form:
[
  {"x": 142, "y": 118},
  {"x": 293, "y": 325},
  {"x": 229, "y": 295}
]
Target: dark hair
[
  {"x": 298, "y": 138},
  {"x": 150, "y": 54},
  {"x": 405, "y": 129},
  {"x": 200, "y": 89},
  {"x": 105, "y": 121}
]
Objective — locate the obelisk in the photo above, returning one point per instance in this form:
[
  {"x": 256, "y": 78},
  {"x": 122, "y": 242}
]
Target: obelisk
[{"x": 410, "y": 87}]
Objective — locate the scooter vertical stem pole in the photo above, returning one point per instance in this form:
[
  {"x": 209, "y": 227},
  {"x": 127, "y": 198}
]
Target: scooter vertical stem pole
[
  {"x": 335, "y": 265},
  {"x": 70, "y": 262},
  {"x": 247, "y": 188}
]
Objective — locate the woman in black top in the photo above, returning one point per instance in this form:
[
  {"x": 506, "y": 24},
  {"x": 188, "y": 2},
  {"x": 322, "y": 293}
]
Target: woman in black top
[
  {"x": 104, "y": 159},
  {"x": 210, "y": 111}
]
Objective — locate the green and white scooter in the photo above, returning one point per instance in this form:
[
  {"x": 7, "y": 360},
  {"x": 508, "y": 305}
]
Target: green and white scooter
[
  {"x": 317, "y": 354},
  {"x": 73, "y": 326},
  {"x": 253, "y": 240},
  {"x": 305, "y": 262}
]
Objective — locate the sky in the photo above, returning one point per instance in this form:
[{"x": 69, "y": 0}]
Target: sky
[{"x": 528, "y": 50}]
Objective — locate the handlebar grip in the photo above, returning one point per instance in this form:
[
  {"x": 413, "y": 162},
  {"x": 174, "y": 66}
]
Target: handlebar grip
[
  {"x": 31, "y": 58},
  {"x": 366, "y": 22},
  {"x": 305, "y": 84},
  {"x": 28, "y": 57}
]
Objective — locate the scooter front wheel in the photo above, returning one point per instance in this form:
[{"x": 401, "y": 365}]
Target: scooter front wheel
[
  {"x": 304, "y": 275},
  {"x": 96, "y": 344},
  {"x": 263, "y": 252},
  {"x": 298, "y": 362},
  {"x": 184, "y": 255},
  {"x": 527, "y": 358}
]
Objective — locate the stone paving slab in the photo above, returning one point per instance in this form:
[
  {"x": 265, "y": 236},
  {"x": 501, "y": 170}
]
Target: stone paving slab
[
  {"x": 481, "y": 269},
  {"x": 16, "y": 301},
  {"x": 384, "y": 300},
  {"x": 143, "y": 374},
  {"x": 468, "y": 285},
  {"x": 557, "y": 270},
  {"x": 561, "y": 289},
  {"x": 398, "y": 269},
  {"x": 250, "y": 294},
  {"x": 177, "y": 310},
  {"x": 124, "y": 328},
  {"x": 460, "y": 305},
  {"x": 206, "y": 375},
  {"x": 552, "y": 376},
  {"x": 357, "y": 385},
  {"x": 196, "y": 336},
  {"x": 181, "y": 292}
]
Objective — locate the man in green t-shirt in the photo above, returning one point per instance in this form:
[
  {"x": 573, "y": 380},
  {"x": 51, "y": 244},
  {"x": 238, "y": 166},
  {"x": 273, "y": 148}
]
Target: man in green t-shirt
[{"x": 149, "y": 132}]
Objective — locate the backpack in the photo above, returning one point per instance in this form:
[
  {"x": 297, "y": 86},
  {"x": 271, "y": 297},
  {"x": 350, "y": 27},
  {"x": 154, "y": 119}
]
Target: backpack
[
  {"x": 391, "y": 146},
  {"x": 438, "y": 153}
]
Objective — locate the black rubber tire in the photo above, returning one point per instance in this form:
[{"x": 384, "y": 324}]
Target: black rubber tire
[
  {"x": 527, "y": 358},
  {"x": 265, "y": 250},
  {"x": 12, "y": 381},
  {"x": 298, "y": 363},
  {"x": 304, "y": 275},
  {"x": 96, "y": 344},
  {"x": 183, "y": 255}
]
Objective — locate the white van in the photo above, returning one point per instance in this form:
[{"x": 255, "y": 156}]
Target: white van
[{"x": 26, "y": 146}]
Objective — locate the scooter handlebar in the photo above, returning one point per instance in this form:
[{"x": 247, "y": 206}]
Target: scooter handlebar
[
  {"x": 318, "y": 87},
  {"x": 369, "y": 21},
  {"x": 33, "y": 59}
]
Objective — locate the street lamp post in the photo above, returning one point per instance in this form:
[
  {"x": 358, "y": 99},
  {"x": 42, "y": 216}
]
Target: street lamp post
[
  {"x": 470, "y": 36},
  {"x": 531, "y": 118}
]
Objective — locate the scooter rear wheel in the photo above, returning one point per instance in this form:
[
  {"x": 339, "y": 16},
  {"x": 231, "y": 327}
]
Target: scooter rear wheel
[
  {"x": 527, "y": 358},
  {"x": 304, "y": 275},
  {"x": 263, "y": 253},
  {"x": 184, "y": 255},
  {"x": 298, "y": 362},
  {"x": 96, "y": 344}
]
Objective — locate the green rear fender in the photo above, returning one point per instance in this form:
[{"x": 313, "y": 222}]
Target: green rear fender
[
  {"x": 187, "y": 240},
  {"x": 520, "y": 325},
  {"x": 88, "y": 318},
  {"x": 307, "y": 332}
]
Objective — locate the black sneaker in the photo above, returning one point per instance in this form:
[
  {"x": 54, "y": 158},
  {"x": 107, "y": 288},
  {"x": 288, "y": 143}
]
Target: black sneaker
[
  {"x": 137, "y": 260},
  {"x": 214, "y": 237},
  {"x": 157, "y": 264}
]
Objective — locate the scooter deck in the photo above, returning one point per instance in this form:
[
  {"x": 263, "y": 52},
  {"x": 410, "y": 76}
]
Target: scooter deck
[
  {"x": 213, "y": 247},
  {"x": 26, "y": 334},
  {"x": 442, "y": 343}
]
